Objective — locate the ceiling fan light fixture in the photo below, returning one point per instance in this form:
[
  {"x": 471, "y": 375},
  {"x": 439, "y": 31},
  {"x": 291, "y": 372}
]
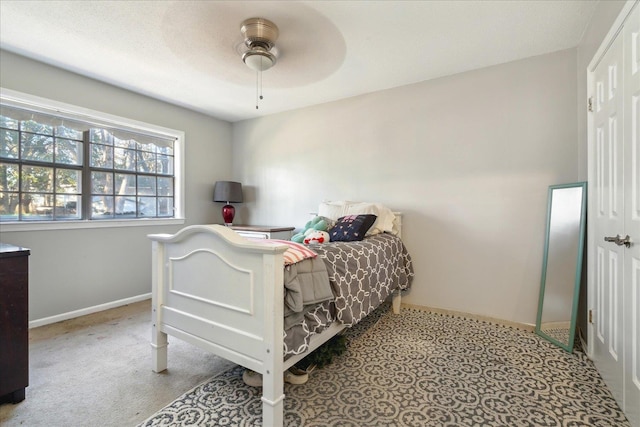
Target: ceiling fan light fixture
[
  {"x": 259, "y": 59},
  {"x": 260, "y": 36}
]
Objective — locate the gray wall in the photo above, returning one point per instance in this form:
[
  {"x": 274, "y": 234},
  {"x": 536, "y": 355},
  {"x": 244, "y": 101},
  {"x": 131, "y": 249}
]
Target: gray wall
[
  {"x": 74, "y": 269},
  {"x": 467, "y": 158}
]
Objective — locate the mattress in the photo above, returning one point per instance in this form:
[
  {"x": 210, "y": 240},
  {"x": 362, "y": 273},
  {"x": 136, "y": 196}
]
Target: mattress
[{"x": 361, "y": 275}]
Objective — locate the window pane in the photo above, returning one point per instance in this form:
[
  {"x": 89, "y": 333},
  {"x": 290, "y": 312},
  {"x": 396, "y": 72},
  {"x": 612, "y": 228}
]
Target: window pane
[
  {"x": 165, "y": 206},
  {"x": 36, "y": 127},
  {"x": 8, "y": 143},
  {"x": 8, "y": 177},
  {"x": 67, "y": 207},
  {"x": 8, "y": 122},
  {"x": 101, "y": 156},
  {"x": 37, "y": 179},
  {"x": 68, "y": 151},
  {"x": 71, "y": 130},
  {"x": 146, "y": 206},
  {"x": 147, "y": 146},
  {"x": 146, "y": 162},
  {"x": 68, "y": 181},
  {"x": 36, "y": 147},
  {"x": 166, "y": 150},
  {"x": 124, "y": 159},
  {"x": 101, "y": 207},
  {"x": 101, "y": 136},
  {"x": 165, "y": 165},
  {"x": 124, "y": 143},
  {"x": 147, "y": 185},
  {"x": 165, "y": 186},
  {"x": 126, "y": 185},
  {"x": 36, "y": 206},
  {"x": 125, "y": 207},
  {"x": 101, "y": 183},
  {"x": 8, "y": 206}
]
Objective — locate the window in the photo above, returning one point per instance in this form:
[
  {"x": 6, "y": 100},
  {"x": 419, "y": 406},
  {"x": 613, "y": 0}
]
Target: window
[
  {"x": 131, "y": 175},
  {"x": 66, "y": 166}
]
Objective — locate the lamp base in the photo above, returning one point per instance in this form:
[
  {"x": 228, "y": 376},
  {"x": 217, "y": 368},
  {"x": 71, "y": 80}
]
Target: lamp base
[{"x": 228, "y": 212}]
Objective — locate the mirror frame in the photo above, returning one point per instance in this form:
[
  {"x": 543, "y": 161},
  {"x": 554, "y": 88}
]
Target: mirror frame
[{"x": 577, "y": 267}]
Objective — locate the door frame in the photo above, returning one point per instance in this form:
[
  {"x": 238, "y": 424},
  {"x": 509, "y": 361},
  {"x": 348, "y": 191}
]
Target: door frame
[{"x": 613, "y": 32}]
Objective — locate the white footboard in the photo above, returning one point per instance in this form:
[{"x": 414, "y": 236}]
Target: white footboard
[{"x": 223, "y": 293}]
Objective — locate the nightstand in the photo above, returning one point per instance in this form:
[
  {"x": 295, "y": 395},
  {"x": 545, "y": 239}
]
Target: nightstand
[{"x": 263, "y": 231}]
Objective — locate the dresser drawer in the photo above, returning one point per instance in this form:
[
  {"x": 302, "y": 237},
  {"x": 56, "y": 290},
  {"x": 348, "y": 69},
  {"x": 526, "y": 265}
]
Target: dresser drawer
[{"x": 263, "y": 231}]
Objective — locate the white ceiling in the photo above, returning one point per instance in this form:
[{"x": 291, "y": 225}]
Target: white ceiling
[{"x": 185, "y": 52}]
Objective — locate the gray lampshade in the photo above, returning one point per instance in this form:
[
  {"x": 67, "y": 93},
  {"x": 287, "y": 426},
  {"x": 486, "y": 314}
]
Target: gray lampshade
[{"x": 227, "y": 192}]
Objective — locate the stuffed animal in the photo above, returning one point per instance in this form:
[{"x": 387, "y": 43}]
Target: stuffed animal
[
  {"x": 316, "y": 224},
  {"x": 316, "y": 237}
]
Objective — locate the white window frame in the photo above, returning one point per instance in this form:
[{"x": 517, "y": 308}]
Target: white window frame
[{"x": 27, "y": 101}]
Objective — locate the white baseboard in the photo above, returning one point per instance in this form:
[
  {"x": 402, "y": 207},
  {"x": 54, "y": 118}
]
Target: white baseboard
[
  {"x": 88, "y": 310},
  {"x": 524, "y": 326}
]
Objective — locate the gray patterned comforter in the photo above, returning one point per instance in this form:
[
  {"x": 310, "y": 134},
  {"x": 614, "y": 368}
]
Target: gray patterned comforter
[{"x": 362, "y": 275}]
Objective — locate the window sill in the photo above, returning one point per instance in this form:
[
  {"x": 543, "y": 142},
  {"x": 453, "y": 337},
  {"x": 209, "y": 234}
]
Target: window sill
[{"x": 8, "y": 227}]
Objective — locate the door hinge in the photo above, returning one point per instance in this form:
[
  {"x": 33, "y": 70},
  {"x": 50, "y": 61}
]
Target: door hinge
[
  {"x": 590, "y": 104},
  {"x": 590, "y": 316}
]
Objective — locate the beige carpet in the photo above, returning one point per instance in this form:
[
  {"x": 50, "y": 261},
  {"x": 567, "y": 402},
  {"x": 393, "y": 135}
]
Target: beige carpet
[{"x": 96, "y": 371}]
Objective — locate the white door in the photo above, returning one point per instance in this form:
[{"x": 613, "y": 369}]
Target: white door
[
  {"x": 615, "y": 181},
  {"x": 608, "y": 352},
  {"x": 631, "y": 34}
]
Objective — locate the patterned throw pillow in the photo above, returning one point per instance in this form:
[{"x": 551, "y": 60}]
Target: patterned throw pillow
[{"x": 351, "y": 228}]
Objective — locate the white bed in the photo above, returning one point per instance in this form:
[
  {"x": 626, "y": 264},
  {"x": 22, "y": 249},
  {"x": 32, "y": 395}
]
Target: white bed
[{"x": 224, "y": 293}]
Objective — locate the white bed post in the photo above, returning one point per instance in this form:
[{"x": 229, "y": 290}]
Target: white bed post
[
  {"x": 396, "y": 300},
  {"x": 158, "y": 338},
  {"x": 272, "y": 378}
]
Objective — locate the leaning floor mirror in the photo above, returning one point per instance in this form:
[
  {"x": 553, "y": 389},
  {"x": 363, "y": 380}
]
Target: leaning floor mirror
[{"x": 562, "y": 263}]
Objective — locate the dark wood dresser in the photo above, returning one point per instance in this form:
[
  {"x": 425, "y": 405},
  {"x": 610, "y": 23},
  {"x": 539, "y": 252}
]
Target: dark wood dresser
[{"x": 14, "y": 322}]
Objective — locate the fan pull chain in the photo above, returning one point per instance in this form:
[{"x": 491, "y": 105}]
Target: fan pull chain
[
  {"x": 257, "y": 88},
  {"x": 259, "y": 85},
  {"x": 261, "y": 68}
]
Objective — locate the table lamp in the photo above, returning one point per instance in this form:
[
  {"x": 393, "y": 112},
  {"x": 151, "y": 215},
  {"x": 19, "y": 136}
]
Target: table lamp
[{"x": 227, "y": 192}]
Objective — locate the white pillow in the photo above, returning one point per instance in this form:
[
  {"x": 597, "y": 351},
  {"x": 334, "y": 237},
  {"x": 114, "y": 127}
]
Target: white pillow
[
  {"x": 333, "y": 210},
  {"x": 337, "y": 209},
  {"x": 389, "y": 218},
  {"x": 384, "y": 220},
  {"x": 396, "y": 225}
]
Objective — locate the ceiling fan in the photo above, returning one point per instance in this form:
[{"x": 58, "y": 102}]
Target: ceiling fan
[{"x": 260, "y": 36}]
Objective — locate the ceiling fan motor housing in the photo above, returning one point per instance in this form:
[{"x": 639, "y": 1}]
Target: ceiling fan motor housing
[{"x": 259, "y": 32}]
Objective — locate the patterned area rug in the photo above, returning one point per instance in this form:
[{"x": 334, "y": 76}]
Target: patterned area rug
[{"x": 420, "y": 369}]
